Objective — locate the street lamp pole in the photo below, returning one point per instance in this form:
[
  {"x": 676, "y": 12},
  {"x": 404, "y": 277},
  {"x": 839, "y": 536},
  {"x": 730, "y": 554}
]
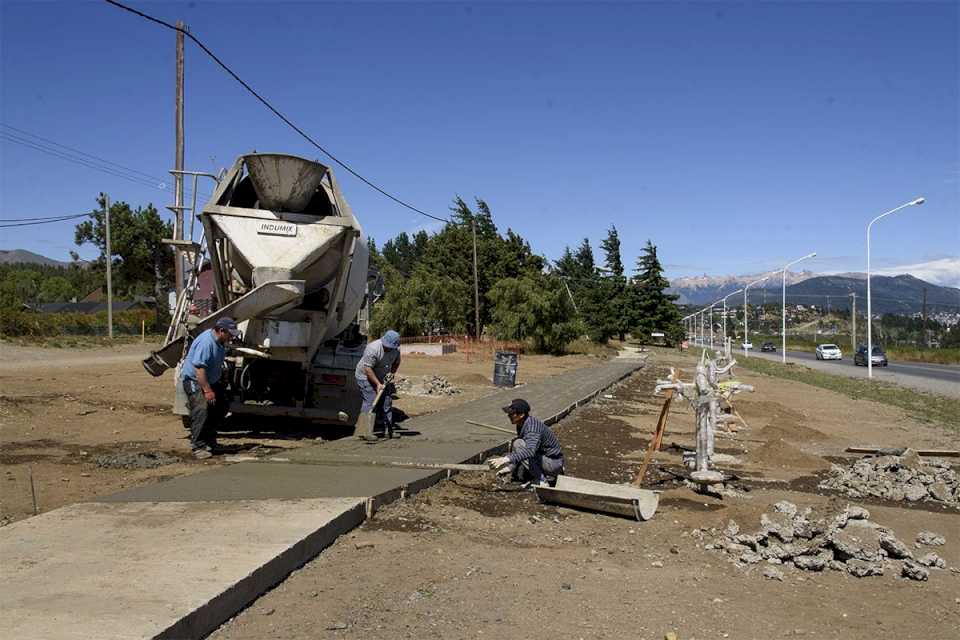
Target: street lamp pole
[
  {"x": 916, "y": 202},
  {"x": 783, "y": 327},
  {"x": 725, "y": 315},
  {"x": 746, "y": 320}
]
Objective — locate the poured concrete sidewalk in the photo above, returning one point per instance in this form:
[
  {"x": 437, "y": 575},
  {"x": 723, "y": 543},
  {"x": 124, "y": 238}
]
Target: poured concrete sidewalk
[{"x": 177, "y": 558}]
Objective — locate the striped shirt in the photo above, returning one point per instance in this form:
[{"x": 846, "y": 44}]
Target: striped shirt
[{"x": 538, "y": 440}]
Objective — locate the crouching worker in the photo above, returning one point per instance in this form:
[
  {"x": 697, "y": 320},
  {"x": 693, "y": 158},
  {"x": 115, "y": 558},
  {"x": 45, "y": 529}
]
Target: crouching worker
[
  {"x": 206, "y": 395},
  {"x": 374, "y": 373},
  {"x": 535, "y": 456}
]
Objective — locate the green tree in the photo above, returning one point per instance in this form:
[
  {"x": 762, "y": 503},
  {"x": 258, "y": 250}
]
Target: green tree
[
  {"x": 56, "y": 289},
  {"x": 656, "y": 310},
  {"x": 141, "y": 262},
  {"x": 537, "y": 307}
]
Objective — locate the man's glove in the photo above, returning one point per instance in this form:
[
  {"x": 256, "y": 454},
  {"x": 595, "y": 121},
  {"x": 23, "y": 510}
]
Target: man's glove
[{"x": 499, "y": 463}]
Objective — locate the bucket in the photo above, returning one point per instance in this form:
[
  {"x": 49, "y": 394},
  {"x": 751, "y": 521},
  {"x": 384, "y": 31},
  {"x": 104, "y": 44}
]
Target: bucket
[{"x": 505, "y": 369}]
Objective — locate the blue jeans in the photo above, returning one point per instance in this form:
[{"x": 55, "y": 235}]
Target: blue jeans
[{"x": 384, "y": 408}]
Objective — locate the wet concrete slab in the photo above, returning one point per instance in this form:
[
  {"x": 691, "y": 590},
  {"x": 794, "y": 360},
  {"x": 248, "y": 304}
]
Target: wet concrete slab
[
  {"x": 156, "y": 570},
  {"x": 177, "y": 558}
]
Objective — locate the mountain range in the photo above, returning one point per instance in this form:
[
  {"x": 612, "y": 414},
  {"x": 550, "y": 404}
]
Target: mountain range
[
  {"x": 889, "y": 294},
  {"x": 22, "y": 256}
]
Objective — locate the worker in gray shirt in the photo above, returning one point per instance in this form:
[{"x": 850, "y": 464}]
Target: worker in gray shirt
[
  {"x": 535, "y": 455},
  {"x": 374, "y": 373}
]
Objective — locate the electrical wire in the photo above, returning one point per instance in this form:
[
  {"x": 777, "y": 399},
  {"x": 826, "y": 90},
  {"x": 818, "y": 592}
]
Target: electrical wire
[
  {"x": 87, "y": 160},
  {"x": 46, "y": 221},
  {"x": 60, "y": 217},
  {"x": 274, "y": 110}
]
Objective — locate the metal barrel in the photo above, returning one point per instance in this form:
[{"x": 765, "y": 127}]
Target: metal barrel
[{"x": 505, "y": 369}]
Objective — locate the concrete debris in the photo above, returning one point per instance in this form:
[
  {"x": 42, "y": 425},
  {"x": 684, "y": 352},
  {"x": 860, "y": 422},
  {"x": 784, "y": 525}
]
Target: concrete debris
[
  {"x": 931, "y": 539},
  {"x": 841, "y": 540},
  {"x": 134, "y": 460},
  {"x": 932, "y": 560},
  {"x": 432, "y": 385},
  {"x": 906, "y": 477},
  {"x": 914, "y": 571}
]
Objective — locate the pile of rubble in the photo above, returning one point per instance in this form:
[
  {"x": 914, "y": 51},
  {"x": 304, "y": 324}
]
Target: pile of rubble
[
  {"x": 143, "y": 460},
  {"x": 845, "y": 540},
  {"x": 425, "y": 386},
  {"x": 903, "y": 477}
]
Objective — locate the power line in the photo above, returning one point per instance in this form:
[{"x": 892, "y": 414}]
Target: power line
[
  {"x": 47, "y": 221},
  {"x": 84, "y": 159},
  {"x": 273, "y": 109},
  {"x": 60, "y": 217}
]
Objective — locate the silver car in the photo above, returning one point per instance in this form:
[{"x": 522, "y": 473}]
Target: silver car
[{"x": 829, "y": 352}]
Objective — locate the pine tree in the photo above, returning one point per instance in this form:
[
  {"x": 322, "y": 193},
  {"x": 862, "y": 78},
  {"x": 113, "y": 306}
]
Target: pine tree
[{"x": 656, "y": 310}]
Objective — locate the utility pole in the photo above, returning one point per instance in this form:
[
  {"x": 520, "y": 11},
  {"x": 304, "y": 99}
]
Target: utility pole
[
  {"x": 178, "y": 162},
  {"x": 109, "y": 256},
  {"x": 853, "y": 321},
  {"x": 476, "y": 281},
  {"x": 924, "y": 337}
]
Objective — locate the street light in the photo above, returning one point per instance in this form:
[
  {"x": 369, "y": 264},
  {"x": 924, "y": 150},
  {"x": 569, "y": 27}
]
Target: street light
[
  {"x": 916, "y": 202},
  {"x": 746, "y": 325},
  {"x": 725, "y": 315},
  {"x": 783, "y": 329},
  {"x": 711, "y": 322}
]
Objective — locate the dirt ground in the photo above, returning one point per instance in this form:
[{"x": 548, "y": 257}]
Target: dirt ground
[
  {"x": 470, "y": 559},
  {"x": 88, "y": 422}
]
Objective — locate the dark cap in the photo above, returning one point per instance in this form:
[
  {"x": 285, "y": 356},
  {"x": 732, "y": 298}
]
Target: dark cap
[
  {"x": 227, "y": 324},
  {"x": 518, "y": 406}
]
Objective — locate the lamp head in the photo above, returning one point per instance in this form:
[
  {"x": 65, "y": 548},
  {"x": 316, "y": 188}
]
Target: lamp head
[{"x": 918, "y": 201}]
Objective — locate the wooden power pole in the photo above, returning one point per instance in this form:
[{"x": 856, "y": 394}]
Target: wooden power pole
[
  {"x": 853, "y": 320},
  {"x": 476, "y": 281},
  {"x": 178, "y": 162},
  {"x": 109, "y": 256}
]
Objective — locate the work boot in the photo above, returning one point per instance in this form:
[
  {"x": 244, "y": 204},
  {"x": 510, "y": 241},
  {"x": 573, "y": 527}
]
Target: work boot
[
  {"x": 367, "y": 434},
  {"x": 202, "y": 454}
]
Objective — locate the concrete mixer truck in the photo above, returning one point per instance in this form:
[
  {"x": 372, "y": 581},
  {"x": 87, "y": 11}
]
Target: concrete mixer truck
[{"x": 289, "y": 263}]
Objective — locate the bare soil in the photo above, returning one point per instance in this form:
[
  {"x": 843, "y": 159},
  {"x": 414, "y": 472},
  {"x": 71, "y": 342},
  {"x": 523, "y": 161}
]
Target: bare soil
[
  {"x": 471, "y": 558},
  {"x": 83, "y": 423}
]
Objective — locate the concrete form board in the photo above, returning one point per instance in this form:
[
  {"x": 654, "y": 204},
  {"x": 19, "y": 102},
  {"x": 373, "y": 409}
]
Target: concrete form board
[{"x": 165, "y": 570}]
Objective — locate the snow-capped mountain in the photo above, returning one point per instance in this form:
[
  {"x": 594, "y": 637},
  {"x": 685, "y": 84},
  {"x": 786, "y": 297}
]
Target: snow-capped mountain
[{"x": 705, "y": 289}]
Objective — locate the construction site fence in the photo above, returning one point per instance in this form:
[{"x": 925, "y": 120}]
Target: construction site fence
[{"x": 470, "y": 345}]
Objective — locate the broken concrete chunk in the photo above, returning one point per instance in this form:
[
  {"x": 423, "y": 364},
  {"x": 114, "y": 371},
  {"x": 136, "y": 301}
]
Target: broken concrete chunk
[
  {"x": 939, "y": 491},
  {"x": 750, "y": 557},
  {"x": 914, "y": 571},
  {"x": 772, "y": 573},
  {"x": 931, "y": 539},
  {"x": 817, "y": 562},
  {"x": 863, "y": 568},
  {"x": 779, "y": 525},
  {"x": 932, "y": 560},
  {"x": 856, "y": 512},
  {"x": 732, "y": 529},
  {"x": 914, "y": 492},
  {"x": 894, "y": 547},
  {"x": 836, "y": 565},
  {"x": 785, "y": 507}
]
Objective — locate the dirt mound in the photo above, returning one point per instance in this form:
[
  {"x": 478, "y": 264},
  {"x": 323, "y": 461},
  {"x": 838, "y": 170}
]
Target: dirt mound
[
  {"x": 471, "y": 380},
  {"x": 782, "y": 454}
]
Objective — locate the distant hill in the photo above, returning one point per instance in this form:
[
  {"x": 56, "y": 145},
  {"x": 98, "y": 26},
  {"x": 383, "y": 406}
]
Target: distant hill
[
  {"x": 706, "y": 289},
  {"x": 890, "y": 294},
  {"x": 22, "y": 256}
]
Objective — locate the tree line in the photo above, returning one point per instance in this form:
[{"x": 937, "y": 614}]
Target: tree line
[
  {"x": 522, "y": 296},
  {"x": 428, "y": 276}
]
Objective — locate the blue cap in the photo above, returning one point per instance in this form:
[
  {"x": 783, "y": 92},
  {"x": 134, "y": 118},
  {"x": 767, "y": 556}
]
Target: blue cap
[
  {"x": 227, "y": 324},
  {"x": 391, "y": 339}
]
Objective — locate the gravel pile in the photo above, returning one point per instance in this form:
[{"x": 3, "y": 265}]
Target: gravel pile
[
  {"x": 425, "y": 386},
  {"x": 906, "y": 477},
  {"x": 841, "y": 541},
  {"x": 134, "y": 460}
]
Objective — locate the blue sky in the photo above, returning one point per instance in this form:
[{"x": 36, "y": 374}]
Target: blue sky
[{"x": 735, "y": 136}]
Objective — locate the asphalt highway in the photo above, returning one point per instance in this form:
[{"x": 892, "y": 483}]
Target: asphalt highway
[{"x": 944, "y": 372}]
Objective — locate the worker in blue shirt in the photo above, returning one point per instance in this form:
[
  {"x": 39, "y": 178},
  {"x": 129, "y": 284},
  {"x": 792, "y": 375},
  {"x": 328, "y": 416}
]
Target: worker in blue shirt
[{"x": 201, "y": 378}]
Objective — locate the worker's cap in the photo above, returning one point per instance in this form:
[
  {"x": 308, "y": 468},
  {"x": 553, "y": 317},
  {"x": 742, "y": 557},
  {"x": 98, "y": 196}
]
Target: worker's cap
[
  {"x": 517, "y": 407},
  {"x": 391, "y": 339},
  {"x": 227, "y": 324}
]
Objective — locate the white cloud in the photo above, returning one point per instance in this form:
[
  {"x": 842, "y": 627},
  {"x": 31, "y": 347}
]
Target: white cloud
[{"x": 944, "y": 272}]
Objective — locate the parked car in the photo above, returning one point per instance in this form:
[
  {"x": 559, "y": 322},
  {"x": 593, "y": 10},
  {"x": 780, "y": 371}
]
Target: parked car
[
  {"x": 828, "y": 352},
  {"x": 879, "y": 358},
  {"x": 747, "y": 346},
  {"x": 768, "y": 346}
]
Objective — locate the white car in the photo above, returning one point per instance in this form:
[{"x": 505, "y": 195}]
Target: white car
[{"x": 828, "y": 352}]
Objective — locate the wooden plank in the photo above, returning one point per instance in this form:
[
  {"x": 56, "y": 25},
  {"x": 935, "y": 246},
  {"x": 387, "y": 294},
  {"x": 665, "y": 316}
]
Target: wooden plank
[
  {"x": 512, "y": 432},
  {"x": 657, "y": 439},
  {"x": 899, "y": 451}
]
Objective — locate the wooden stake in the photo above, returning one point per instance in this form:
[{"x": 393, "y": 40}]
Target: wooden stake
[
  {"x": 490, "y": 426},
  {"x": 657, "y": 438},
  {"x": 33, "y": 490}
]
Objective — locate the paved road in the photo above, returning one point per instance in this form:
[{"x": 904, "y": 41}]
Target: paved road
[{"x": 936, "y": 378}]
